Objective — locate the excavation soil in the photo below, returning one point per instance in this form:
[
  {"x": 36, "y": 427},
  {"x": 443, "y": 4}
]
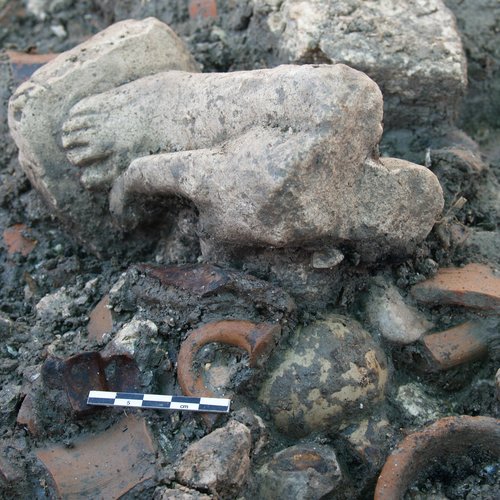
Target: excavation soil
[{"x": 28, "y": 336}]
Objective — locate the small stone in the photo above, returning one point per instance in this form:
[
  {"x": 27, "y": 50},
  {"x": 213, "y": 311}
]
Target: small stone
[
  {"x": 367, "y": 444},
  {"x": 126, "y": 340},
  {"x": 219, "y": 462},
  {"x": 417, "y": 404},
  {"x": 332, "y": 368},
  {"x": 107, "y": 465},
  {"x": 59, "y": 31},
  {"x": 55, "y": 306},
  {"x": 393, "y": 317},
  {"x": 6, "y": 327},
  {"x": 304, "y": 472},
  {"x": 474, "y": 285},
  {"x": 9, "y": 399},
  {"x": 497, "y": 382},
  {"x": 327, "y": 259},
  {"x": 258, "y": 429},
  {"x": 179, "y": 493},
  {"x": 101, "y": 320},
  {"x": 136, "y": 341}
]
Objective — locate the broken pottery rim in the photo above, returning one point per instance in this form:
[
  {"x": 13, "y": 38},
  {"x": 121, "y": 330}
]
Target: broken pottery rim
[
  {"x": 255, "y": 338},
  {"x": 445, "y": 436}
]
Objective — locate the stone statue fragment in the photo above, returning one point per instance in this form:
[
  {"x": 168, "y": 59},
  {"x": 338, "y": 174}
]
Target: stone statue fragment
[{"x": 281, "y": 157}]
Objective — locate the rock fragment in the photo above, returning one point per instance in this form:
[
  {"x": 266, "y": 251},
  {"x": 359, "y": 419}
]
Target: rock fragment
[
  {"x": 333, "y": 373},
  {"x": 219, "y": 462},
  {"x": 304, "y": 472},
  {"x": 55, "y": 306},
  {"x": 418, "y": 406},
  {"x": 179, "y": 493},
  {"x": 9, "y": 399},
  {"x": 422, "y": 87},
  {"x": 497, "y": 383},
  {"x": 366, "y": 443},
  {"x": 393, "y": 317}
]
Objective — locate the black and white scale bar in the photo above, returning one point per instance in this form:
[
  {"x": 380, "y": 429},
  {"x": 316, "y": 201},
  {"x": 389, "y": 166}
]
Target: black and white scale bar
[{"x": 158, "y": 402}]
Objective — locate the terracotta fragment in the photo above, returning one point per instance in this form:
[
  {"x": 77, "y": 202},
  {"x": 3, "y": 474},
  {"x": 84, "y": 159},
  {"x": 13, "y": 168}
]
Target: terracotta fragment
[
  {"x": 197, "y": 279},
  {"x": 88, "y": 371},
  {"x": 202, "y": 8},
  {"x": 83, "y": 373},
  {"x": 256, "y": 339},
  {"x": 474, "y": 286},
  {"x": 101, "y": 320},
  {"x": 27, "y": 416},
  {"x": 24, "y": 65},
  {"x": 448, "y": 436},
  {"x": 107, "y": 465},
  {"x": 17, "y": 241},
  {"x": 461, "y": 344}
]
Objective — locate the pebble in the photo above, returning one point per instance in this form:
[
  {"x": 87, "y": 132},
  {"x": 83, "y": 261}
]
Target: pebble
[
  {"x": 393, "y": 317},
  {"x": 54, "y": 306},
  {"x": 303, "y": 472},
  {"x": 333, "y": 373},
  {"x": 417, "y": 404}
]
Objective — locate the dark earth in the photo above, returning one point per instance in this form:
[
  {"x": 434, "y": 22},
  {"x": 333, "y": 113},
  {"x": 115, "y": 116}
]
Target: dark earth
[{"x": 468, "y": 232}]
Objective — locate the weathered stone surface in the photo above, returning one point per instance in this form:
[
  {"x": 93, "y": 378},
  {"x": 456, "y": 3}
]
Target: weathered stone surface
[
  {"x": 297, "y": 169},
  {"x": 392, "y": 316},
  {"x": 497, "y": 383},
  {"x": 303, "y": 472},
  {"x": 109, "y": 59},
  {"x": 219, "y": 462},
  {"x": 54, "y": 306},
  {"x": 280, "y": 157},
  {"x": 258, "y": 429},
  {"x": 9, "y": 399},
  {"x": 479, "y": 24},
  {"x": 412, "y": 49},
  {"x": 417, "y": 405},
  {"x": 366, "y": 443},
  {"x": 333, "y": 373},
  {"x": 179, "y": 493}
]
